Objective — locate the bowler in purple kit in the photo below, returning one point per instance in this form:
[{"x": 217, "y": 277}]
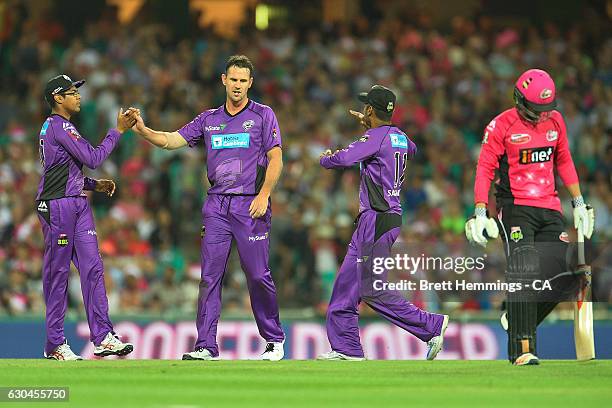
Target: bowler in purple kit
[
  {"x": 67, "y": 220},
  {"x": 382, "y": 153},
  {"x": 242, "y": 140}
]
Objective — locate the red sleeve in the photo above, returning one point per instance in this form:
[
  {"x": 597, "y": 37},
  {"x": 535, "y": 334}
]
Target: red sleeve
[
  {"x": 563, "y": 157},
  {"x": 492, "y": 150}
]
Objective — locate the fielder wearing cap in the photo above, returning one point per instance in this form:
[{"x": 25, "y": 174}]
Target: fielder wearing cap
[
  {"x": 382, "y": 153},
  {"x": 67, "y": 220}
]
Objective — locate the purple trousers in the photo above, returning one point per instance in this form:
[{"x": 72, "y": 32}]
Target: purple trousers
[
  {"x": 70, "y": 236},
  {"x": 227, "y": 218},
  {"x": 373, "y": 237}
]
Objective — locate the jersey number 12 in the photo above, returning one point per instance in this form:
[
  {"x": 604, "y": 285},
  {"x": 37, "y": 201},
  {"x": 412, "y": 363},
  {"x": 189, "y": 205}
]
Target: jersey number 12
[
  {"x": 41, "y": 151},
  {"x": 399, "y": 175}
]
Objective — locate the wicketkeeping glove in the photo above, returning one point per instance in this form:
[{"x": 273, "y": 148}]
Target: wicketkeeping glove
[
  {"x": 478, "y": 225},
  {"x": 585, "y": 215}
]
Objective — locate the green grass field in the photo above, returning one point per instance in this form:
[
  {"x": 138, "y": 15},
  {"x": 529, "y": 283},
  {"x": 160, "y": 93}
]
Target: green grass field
[{"x": 155, "y": 383}]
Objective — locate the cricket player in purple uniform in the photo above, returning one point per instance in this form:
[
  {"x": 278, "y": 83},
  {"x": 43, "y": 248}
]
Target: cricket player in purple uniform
[
  {"x": 67, "y": 220},
  {"x": 244, "y": 161},
  {"x": 382, "y": 153}
]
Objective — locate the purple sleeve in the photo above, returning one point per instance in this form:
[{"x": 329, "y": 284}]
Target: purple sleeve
[
  {"x": 80, "y": 149},
  {"x": 193, "y": 131},
  {"x": 412, "y": 149},
  {"x": 271, "y": 132},
  {"x": 89, "y": 184},
  {"x": 353, "y": 154}
]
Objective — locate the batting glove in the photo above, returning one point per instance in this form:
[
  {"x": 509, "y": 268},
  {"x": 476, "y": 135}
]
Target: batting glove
[
  {"x": 480, "y": 228},
  {"x": 585, "y": 215}
]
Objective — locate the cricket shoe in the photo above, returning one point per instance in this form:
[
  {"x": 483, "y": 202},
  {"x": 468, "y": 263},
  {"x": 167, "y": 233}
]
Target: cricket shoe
[
  {"x": 435, "y": 344},
  {"x": 273, "y": 352},
  {"x": 527, "y": 359},
  {"x": 63, "y": 352},
  {"x": 335, "y": 356},
  {"x": 199, "y": 354},
  {"x": 112, "y": 346},
  {"x": 503, "y": 320}
]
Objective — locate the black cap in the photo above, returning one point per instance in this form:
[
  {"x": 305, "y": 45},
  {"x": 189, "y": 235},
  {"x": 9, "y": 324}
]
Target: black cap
[
  {"x": 380, "y": 98},
  {"x": 60, "y": 84}
]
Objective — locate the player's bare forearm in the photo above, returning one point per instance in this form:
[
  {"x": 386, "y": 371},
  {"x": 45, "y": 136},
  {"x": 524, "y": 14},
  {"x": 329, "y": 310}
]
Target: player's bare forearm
[
  {"x": 273, "y": 172},
  {"x": 164, "y": 140},
  {"x": 574, "y": 190},
  {"x": 154, "y": 137}
]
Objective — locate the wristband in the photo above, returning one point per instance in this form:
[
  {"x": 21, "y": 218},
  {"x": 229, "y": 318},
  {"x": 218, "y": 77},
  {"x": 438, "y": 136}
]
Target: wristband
[
  {"x": 578, "y": 202},
  {"x": 480, "y": 212}
]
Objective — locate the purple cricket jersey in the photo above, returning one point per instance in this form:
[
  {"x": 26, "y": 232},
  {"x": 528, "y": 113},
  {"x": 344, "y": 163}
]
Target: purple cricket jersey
[
  {"x": 382, "y": 154},
  {"x": 236, "y": 146},
  {"x": 63, "y": 152}
]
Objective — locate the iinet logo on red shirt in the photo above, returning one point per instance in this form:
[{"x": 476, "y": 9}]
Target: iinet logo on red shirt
[{"x": 535, "y": 155}]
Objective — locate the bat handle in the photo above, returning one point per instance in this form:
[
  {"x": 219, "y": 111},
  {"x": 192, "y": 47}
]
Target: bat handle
[{"x": 580, "y": 238}]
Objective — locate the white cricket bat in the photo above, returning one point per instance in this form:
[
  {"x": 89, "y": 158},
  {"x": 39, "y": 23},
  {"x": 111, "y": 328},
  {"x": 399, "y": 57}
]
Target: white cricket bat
[{"x": 584, "y": 338}]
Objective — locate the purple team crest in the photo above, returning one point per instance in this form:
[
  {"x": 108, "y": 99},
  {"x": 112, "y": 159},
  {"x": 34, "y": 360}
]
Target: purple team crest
[{"x": 247, "y": 124}]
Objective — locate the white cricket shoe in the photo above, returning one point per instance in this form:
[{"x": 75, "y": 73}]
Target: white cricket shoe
[
  {"x": 527, "y": 359},
  {"x": 199, "y": 354},
  {"x": 63, "y": 352},
  {"x": 335, "y": 356},
  {"x": 274, "y": 352},
  {"x": 112, "y": 346},
  {"x": 435, "y": 344},
  {"x": 503, "y": 320}
]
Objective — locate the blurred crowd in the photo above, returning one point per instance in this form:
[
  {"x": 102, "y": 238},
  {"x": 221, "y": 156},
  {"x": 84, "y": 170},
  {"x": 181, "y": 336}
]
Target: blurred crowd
[{"x": 450, "y": 84}]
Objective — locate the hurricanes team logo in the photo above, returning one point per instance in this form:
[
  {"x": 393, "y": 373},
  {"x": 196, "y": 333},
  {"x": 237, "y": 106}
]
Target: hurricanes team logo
[{"x": 247, "y": 124}]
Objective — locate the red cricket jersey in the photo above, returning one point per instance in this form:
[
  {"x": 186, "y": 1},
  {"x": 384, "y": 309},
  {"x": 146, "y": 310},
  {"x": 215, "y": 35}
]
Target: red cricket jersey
[{"x": 526, "y": 155}]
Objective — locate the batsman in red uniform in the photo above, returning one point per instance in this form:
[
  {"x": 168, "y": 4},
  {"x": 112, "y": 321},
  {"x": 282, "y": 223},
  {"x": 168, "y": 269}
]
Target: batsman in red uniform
[{"x": 526, "y": 144}]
